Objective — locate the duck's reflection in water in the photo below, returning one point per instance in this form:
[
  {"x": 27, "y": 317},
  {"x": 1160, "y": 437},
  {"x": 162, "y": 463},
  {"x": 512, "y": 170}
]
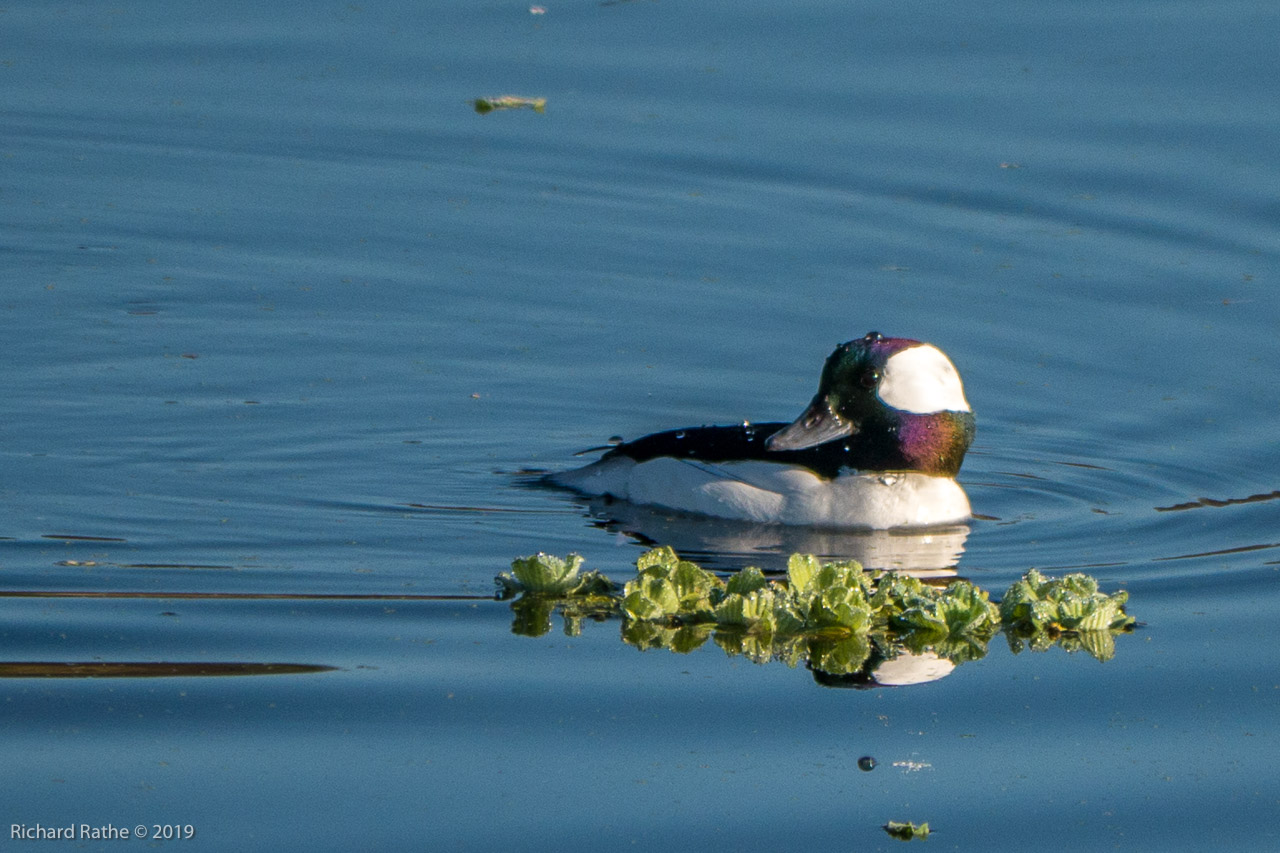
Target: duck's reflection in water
[
  {"x": 723, "y": 545},
  {"x": 905, "y": 669}
]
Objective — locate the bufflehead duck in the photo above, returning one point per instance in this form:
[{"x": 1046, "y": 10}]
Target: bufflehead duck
[{"x": 878, "y": 447}]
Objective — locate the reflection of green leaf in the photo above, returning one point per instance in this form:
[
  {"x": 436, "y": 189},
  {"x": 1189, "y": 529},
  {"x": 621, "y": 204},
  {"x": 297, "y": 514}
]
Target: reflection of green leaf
[
  {"x": 646, "y": 635},
  {"x": 1100, "y": 644},
  {"x": 688, "y": 638},
  {"x": 533, "y": 616},
  {"x": 839, "y": 655}
]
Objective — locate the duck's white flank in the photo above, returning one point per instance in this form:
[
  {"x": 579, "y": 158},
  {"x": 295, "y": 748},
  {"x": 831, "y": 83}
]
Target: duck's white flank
[
  {"x": 750, "y": 490},
  {"x": 922, "y": 380}
]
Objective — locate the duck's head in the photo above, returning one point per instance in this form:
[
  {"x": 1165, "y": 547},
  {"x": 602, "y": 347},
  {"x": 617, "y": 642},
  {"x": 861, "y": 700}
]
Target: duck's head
[{"x": 894, "y": 403}]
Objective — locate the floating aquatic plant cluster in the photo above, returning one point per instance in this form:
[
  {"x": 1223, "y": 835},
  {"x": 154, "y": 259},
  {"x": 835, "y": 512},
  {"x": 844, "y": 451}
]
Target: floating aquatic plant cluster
[
  {"x": 1039, "y": 611},
  {"x": 832, "y": 615}
]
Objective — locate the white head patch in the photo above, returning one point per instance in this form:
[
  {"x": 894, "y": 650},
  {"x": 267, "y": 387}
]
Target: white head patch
[{"x": 922, "y": 380}]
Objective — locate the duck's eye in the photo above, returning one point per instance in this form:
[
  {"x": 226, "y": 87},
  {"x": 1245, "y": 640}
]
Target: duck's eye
[
  {"x": 873, "y": 337},
  {"x": 869, "y": 377}
]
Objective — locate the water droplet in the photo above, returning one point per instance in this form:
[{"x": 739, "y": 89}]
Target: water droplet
[
  {"x": 680, "y": 434},
  {"x": 866, "y": 764},
  {"x": 615, "y": 439}
]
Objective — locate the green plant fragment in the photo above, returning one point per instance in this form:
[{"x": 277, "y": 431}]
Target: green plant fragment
[
  {"x": 509, "y": 102},
  {"x": 907, "y": 831}
]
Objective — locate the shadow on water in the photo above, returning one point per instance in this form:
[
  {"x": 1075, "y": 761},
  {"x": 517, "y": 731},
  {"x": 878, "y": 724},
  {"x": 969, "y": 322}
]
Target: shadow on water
[
  {"x": 147, "y": 669},
  {"x": 135, "y": 669}
]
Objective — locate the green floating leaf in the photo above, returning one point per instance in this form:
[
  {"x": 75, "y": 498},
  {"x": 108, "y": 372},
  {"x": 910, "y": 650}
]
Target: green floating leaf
[
  {"x": 802, "y": 570},
  {"x": 907, "y": 831},
  {"x": 696, "y": 588},
  {"x": 745, "y": 582},
  {"x": 650, "y": 599},
  {"x": 957, "y": 611},
  {"x": 895, "y": 593},
  {"x": 752, "y": 611},
  {"x": 543, "y": 574},
  {"x": 663, "y": 557},
  {"x": 667, "y": 587}
]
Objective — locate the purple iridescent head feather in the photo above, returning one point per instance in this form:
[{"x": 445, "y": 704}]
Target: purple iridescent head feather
[{"x": 895, "y": 403}]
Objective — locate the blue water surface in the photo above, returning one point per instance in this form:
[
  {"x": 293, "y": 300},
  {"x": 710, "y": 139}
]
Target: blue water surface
[{"x": 287, "y": 323}]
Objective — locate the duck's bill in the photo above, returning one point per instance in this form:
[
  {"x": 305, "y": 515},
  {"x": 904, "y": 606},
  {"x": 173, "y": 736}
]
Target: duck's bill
[{"x": 817, "y": 425}]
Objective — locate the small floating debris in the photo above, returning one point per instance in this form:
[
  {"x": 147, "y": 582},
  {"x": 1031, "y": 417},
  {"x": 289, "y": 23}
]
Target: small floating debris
[
  {"x": 537, "y": 10},
  {"x": 510, "y": 102},
  {"x": 907, "y": 831}
]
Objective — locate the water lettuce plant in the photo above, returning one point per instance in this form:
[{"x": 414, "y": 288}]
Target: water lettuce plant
[
  {"x": 834, "y": 616},
  {"x": 1037, "y": 611},
  {"x": 545, "y": 583},
  {"x": 543, "y": 574}
]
